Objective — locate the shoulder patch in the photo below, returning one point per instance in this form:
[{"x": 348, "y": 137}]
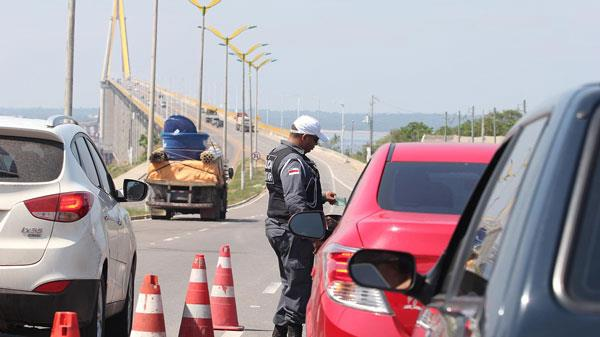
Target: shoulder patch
[{"x": 293, "y": 171}]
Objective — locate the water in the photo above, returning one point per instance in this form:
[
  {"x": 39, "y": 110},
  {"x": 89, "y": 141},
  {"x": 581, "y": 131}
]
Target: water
[{"x": 361, "y": 137}]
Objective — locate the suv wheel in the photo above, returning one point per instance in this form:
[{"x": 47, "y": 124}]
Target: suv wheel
[
  {"x": 96, "y": 326},
  {"x": 120, "y": 325}
]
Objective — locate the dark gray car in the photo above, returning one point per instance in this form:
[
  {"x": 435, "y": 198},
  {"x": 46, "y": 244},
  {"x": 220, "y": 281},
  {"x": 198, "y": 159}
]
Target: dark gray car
[{"x": 523, "y": 260}]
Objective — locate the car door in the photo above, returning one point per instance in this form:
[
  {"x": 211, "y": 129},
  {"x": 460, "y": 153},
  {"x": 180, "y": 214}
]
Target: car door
[
  {"x": 459, "y": 310},
  {"x": 120, "y": 239},
  {"x": 106, "y": 205}
]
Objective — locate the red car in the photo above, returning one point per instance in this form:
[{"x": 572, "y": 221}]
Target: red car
[{"x": 409, "y": 198}]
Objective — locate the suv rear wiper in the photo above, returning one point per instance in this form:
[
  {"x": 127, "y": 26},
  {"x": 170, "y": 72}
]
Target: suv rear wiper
[{"x": 4, "y": 173}]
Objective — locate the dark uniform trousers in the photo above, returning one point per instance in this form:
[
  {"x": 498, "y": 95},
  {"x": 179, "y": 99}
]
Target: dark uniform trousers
[{"x": 295, "y": 257}]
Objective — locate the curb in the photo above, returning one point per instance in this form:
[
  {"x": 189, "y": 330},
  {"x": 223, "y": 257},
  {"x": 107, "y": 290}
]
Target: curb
[
  {"x": 140, "y": 217},
  {"x": 247, "y": 200}
]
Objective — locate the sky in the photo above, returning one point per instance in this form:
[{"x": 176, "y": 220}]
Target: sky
[{"x": 414, "y": 56}]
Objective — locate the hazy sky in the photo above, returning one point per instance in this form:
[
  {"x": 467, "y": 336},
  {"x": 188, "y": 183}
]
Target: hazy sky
[{"x": 423, "y": 56}]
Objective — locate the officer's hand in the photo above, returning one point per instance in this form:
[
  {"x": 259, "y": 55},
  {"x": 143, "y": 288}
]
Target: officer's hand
[{"x": 330, "y": 197}]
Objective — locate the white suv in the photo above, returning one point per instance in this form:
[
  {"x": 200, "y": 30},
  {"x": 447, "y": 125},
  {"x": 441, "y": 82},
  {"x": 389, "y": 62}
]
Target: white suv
[{"x": 65, "y": 242}]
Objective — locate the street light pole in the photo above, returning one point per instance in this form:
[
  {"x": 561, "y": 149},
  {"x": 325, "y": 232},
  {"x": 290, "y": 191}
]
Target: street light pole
[
  {"x": 257, "y": 68},
  {"x": 203, "y": 9},
  {"x": 343, "y": 128},
  {"x": 70, "y": 51},
  {"x": 243, "y": 126},
  {"x": 226, "y": 42},
  {"x": 153, "y": 85},
  {"x": 251, "y": 123}
]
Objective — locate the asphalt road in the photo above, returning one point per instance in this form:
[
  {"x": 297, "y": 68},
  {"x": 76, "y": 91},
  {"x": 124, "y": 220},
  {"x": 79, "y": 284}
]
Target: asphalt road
[{"x": 167, "y": 248}]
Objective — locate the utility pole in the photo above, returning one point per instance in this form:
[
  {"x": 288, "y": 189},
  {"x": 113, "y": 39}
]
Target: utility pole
[
  {"x": 473, "y": 124},
  {"x": 445, "y": 126},
  {"x": 153, "y": 84},
  {"x": 371, "y": 113},
  {"x": 343, "y": 128},
  {"x": 494, "y": 125},
  {"x": 70, "y": 52},
  {"x": 459, "y": 126},
  {"x": 298, "y": 108},
  {"x": 524, "y": 107},
  {"x": 243, "y": 126},
  {"x": 483, "y": 126},
  {"x": 352, "y": 139},
  {"x": 251, "y": 123}
]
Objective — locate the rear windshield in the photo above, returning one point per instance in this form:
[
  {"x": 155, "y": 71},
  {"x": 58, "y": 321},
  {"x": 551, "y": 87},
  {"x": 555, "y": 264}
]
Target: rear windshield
[
  {"x": 29, "y": 160},
  {"x": 442, "y": 188}
]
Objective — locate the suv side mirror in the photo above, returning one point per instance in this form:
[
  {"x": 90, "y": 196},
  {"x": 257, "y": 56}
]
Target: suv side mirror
[
  {"x": 383, "y": 269},
  {"x": 309, "y": 224},
  {"x": 134, "y": 190},
  {"x": 230, "y": 172}
]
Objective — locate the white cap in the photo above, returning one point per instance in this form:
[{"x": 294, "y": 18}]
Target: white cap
[{"x": 309, "y": 126}]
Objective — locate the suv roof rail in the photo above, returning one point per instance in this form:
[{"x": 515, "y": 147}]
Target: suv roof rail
[{"x": 57, "y": 120}]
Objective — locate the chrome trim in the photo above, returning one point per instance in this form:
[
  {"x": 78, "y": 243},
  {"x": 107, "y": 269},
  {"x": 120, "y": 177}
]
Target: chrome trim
[
  {"x": 57, "y": 120},
  {"x": 572, "y": 220}
]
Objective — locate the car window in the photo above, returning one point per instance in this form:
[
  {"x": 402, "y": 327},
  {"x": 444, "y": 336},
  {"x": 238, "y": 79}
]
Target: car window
[
  {"x": 583, "y": 276},
  {"x": 100, "y": 168},
  {"x": 29, "y": 160},
  {"x": 87, "y": 163},
  {"x": 441, "y": 188},
  {"x": 482, "y": 252}
]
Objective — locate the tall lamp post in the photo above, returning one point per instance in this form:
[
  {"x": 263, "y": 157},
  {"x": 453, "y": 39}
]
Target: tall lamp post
[
  {"x": 203, "y": 9},
  {"x": 242, "y": 58},
  {"x": 258, "y": 67},
  {"x": 153, "y": 84},
  {"x": 70, "y": 51},
  {"x": 226, "y": 41},
  {"x": 253, "y": 125}
]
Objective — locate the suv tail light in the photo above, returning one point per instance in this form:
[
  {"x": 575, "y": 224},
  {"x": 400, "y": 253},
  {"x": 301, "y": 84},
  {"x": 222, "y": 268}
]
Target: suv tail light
[
  {"x": 342, "y": 289},
  {"x": 65, "y": 207}
]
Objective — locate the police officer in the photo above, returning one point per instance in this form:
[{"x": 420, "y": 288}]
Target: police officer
[{"x": 294, "y": 186}]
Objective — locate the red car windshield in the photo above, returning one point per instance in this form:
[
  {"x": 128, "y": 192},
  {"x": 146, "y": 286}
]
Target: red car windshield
[{"x": 441, "y": 188}]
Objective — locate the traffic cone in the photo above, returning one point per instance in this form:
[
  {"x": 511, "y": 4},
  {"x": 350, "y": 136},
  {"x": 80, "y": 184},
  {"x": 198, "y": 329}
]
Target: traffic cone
[
  {"x": 196, "y": 320},
  {"x": 65, "y": 325},
  {"x": 148, "y": 319},
  {"x": 222, "y": 296}
]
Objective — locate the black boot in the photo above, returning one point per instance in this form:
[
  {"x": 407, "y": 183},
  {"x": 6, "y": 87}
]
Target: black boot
[
  {"x": 280, "y": 331},
  {"x": 294, "y": 330}
]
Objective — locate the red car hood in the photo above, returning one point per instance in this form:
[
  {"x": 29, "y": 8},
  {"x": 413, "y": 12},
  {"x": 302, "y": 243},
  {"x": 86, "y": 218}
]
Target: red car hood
[{"x": 423, "y": 235}]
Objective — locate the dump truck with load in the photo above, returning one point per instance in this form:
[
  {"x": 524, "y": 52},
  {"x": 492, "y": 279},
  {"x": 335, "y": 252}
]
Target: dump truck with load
[{"x": 185, "y": 176}]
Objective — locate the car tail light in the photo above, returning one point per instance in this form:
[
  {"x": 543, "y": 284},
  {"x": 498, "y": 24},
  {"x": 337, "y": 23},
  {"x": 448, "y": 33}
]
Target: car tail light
[
  {"x": 66, "y": 207},
  {"x": 342, "y": 289},
  {"x": 52, "y": 287}
]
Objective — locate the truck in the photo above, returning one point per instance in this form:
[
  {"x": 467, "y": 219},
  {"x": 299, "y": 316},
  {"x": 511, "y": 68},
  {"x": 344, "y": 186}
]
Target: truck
[
  {"x": 186, "y": 177},
  {"x": 238, "y": 122}
]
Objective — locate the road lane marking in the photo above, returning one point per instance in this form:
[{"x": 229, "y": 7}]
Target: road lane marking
[
  {"x": 171, "y": 239},
  {"x": 255, "y": 306},
  {"x": 249, "y": 203},
  {"x": 203, "y": 229},
  {"x": 334, "y": 178},
  {"x": 232, "y": 334},
  {"x": 272, "y": 288}
]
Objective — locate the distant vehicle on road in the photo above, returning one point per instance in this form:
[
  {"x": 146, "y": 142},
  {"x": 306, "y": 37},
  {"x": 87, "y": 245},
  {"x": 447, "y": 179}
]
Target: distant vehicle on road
[
  {"x": 523, "y": 260},
  {"x": 240, "y": 119},
  {"x": 65, "y": 242},
  {"x": 409, "y": 197},
  {"x": 214, "y": 120}
]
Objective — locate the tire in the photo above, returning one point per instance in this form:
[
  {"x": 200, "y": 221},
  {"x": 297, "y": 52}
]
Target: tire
[
  {"x": 120, "y": 324},
  {"x": 96, "y": 328}
]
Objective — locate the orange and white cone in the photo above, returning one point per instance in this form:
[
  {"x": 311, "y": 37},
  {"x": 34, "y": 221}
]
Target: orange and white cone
[
  {"x": 65, "y": 325},
  {"x": 149, "y": 320},
  {"x": 222, "y": 296},
  {"x": 196, "y": 320}
]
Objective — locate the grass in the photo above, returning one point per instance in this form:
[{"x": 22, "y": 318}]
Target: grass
[
  {"x": 252, "y": 187},
  {"x": 116, "y": 170},
  {"x": 137, "y": 211}
]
